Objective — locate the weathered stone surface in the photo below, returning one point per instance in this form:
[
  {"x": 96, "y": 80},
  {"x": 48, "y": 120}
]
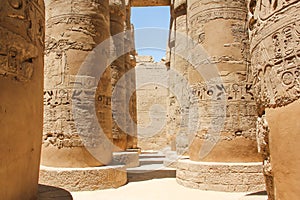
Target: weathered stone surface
[
  {"x": 284, "y": 138},
  {"x": 219, "y": 27},
  {"x": 274, "y": 37},
  {"x": 178, "y": 108},
  {"x": 117, "y": 26},
  {"x": 74, "y": 29},
  {"x": 152, "y": 104},
  {"x": 22, "y": 31},
  {"x": 130, "y": 63},
  {"x": 84, "y": 179},
  {"x": 143, "y": 3},
  {"x": 229, "y": 177},
  {"x": 129, "y": 159}
]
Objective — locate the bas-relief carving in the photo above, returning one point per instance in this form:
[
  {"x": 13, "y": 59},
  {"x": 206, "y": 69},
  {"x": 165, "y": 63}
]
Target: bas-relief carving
[
  {"x": 61, "y": 88},
  {"x": 59, "y": 127},
  {"x": 240, "y": 106},
  {"x": 274, "y": 46},
  {"x": 275, "y": 49},
  {"x": 20, "y": 48}
]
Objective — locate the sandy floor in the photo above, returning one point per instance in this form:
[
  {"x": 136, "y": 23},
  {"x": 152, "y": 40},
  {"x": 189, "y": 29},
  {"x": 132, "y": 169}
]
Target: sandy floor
[{"x": 161, "y": 189}]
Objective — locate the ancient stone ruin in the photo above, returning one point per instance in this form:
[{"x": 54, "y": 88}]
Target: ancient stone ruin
[{"x": 75, "y": 112}]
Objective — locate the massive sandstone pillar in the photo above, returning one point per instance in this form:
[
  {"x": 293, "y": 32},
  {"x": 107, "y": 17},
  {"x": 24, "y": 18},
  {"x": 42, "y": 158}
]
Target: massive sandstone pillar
[
  {"x": 117, "y": 26},
  {"x": 221, "y": 30},
  {"x": 74, "y": 29},
  {"x": 275, "y": 59},
  {"x": 225, "y": 159},
  {"x": 181, "y": 66},
  {"x": 173, "y": 117},
  {"x": 21, "y": 97},
  {"x": 130, "y": 63}
]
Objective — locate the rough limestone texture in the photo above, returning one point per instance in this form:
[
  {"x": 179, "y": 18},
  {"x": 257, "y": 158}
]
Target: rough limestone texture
[
  {"x": 144, "y": 3},
  {"x": 129, "y": 159},
  {"x": 84, "y": 179},
  {"x": 74, "y": 28},
  {"x": 219, "y": 27},
  {"x": 152, "y": 94},
  {"x": 130, "y": 63},
  {"x": 178, "y": 105},
  {"x": 22, "y": 26},
  {"x": 274, "y": 45},
  {"x": 117, "y": 10},
  {"x": 227, "y": 177}
]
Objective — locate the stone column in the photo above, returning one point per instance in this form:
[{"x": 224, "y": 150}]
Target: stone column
[
  {"x": 225, "y": 159},
  {"x": 74, "y": 29},
  {"x": 133, "y": 99},
  {"x": 181, "y": 66},
  {"x": 274, "y": 46},
  {"x": 130, "y": 80},
  {"x": 21, "y": 96},
  {"x": 173, "y": 122},
  {"x": 220, "y": 28},
  {"x": 117, "y": 27}
]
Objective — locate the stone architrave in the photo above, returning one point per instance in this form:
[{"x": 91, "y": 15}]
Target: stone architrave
[
  {"x": 22, "y": 31},
  {"x": 74, "y": 29},
  {"x": 275, "y": 59}
]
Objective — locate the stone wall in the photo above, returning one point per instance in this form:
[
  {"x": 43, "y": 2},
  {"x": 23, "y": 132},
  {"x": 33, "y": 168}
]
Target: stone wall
[
  {"x": 22, "y": 26},
  {"x": 152, "y": 104}
]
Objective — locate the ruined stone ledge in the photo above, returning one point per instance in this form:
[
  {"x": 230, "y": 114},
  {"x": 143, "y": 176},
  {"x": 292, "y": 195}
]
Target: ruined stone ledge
[
  {"x": 144, "y": 3},
  {"x": 129, "y": 159},
  {"x": 226, "y": 177},
  {"x": 84, "y": 179}
]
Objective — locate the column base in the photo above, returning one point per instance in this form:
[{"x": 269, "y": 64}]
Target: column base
[
  {"x": 225, "y": 177},
  {"x": 84, "y": 179}
]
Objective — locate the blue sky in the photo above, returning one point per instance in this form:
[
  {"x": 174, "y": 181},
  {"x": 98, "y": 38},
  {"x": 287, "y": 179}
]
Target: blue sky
[{"x": 152, "y": 30}]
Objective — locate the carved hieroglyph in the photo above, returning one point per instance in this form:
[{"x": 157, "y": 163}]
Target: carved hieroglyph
[
  {"x": 22, "y": 26},
  {"x": 74, "y": 28},
  {"x": 220, "y": 28},
  {"x": 117, "y": 26},
  {"x": 274, "y": 46},
  {"x": 275, "y": 34}
]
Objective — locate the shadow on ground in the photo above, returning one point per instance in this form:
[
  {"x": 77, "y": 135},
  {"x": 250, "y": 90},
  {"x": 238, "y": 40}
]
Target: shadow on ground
[
  {"x": 261, "y": 193},
  {"x": 51, "y": 193}
]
